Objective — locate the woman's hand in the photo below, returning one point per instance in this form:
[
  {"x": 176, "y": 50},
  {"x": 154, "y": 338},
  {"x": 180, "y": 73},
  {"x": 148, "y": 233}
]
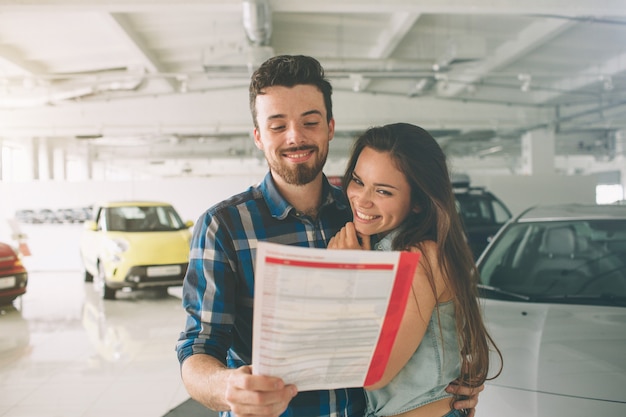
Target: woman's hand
[
  {"x": 467, "y": 398},
  {"x": 349, "y": 238}
]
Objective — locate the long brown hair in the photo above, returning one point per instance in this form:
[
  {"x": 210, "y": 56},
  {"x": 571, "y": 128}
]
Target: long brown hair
[{"x": 418, "y": 155}]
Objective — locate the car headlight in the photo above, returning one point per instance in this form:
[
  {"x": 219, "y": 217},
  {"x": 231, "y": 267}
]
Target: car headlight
[{"x": 117, "y": 245}]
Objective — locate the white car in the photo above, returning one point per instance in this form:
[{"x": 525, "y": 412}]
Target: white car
[{"x": 554, "y": 293}]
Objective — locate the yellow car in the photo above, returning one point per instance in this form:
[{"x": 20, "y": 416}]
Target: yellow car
[{"x": 135, "y": 244}]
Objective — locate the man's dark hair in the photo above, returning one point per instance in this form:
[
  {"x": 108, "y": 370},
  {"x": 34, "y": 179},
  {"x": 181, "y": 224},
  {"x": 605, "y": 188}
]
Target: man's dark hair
[{"x": 288, "y": 71}]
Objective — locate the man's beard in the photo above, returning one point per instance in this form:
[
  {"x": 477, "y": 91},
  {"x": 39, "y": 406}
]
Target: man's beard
[{"x": 300, "y": 174}]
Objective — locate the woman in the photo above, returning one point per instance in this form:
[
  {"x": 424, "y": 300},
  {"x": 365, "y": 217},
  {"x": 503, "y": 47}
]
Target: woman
[{"x": 399, "y": 188}]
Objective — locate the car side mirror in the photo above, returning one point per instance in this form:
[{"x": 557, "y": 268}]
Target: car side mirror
[
  {"x": 91, "y": 225},
  {"x": 188, "y": 224}
]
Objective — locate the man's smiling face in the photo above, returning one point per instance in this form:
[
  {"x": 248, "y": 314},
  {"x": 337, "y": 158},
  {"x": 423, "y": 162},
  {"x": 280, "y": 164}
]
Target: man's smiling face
[{"x": 293, "y": 132}]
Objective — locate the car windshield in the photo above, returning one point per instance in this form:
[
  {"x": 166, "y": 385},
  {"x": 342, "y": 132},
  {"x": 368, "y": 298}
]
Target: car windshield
[
  {"x": 581, "y": 261},
  {"x": 481, "y": 210},
  {"x": 142, "y": 219}
]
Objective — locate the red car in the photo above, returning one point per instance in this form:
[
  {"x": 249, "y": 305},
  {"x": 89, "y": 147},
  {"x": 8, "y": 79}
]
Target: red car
[{"x": 13, "y": 275}]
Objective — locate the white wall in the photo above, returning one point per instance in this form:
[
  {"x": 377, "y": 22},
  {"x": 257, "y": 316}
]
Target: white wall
[
  {"x": 55, "y": 247},
  {"x": 191, "y": 196},
  {"x": 520, "y": 192}
]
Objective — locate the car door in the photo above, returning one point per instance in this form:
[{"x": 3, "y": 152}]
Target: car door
[{"x": 92, "y": 240}]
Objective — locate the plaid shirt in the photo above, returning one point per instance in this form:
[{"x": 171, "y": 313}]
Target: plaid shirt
[{"x": 218, "y": 292}]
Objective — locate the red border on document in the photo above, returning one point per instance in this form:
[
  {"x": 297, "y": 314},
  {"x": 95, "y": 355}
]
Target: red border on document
[{"x": 395, "y": 310}]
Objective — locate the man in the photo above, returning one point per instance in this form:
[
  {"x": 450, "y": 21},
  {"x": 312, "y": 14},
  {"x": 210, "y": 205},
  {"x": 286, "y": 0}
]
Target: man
[{"x": 291, "y": 107}]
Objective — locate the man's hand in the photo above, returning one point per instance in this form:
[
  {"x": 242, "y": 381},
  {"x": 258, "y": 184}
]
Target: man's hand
[
  {"x": 255, "y": 395},
  {"x": 468, "y": 397},
  {"x": 349, "y": 238},
  {"x": 216, "y": 387}
]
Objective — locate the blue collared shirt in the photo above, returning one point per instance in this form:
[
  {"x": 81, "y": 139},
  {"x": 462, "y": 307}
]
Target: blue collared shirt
[{"x": 218, "y": 291}]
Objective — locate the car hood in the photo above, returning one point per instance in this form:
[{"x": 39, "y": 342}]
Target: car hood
[
  {"x": 168, "y": 246},
  {"x": 8, "y": 260},
  {"x": 6, "y": 251},
  {"x": 561, "y": 350}
]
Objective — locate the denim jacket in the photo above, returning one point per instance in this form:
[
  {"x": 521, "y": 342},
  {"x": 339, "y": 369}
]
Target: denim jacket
[{"x": 435, "y": 363}]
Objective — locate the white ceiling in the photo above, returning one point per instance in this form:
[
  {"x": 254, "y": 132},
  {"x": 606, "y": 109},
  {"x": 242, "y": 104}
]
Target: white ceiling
[{"x": 159, "y": 81}]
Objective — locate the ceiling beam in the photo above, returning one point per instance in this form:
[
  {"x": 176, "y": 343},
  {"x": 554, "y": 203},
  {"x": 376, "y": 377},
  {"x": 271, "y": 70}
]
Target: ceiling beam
[
  {"x": 601, "y": 72},
  {"x": 120, "y": 24},
  {"x": 399, "y": 25},
  {"x": 12, "y": 63},
  {"x": 534, "y": 35},
  {"x": 387, "y": 42},
  {"x": 226, "y": 112},
  {"x": 556, "y": 7}
]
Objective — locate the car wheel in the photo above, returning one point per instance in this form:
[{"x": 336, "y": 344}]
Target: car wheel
[
  {"x": 6, "y": 301},
  {"x": 88, "y": 276},
  {"x": 100, "y": 285},
  {"x": 162, "y": 292}
]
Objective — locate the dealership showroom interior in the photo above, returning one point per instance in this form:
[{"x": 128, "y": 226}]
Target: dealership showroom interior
[{"x": 122, "y": 122}]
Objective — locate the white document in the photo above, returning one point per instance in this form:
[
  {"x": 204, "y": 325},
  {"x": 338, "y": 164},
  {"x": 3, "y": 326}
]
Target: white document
[{"x": 326, "y": 319}]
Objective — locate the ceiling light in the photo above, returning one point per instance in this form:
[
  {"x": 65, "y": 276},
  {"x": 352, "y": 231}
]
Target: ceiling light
[
  {"x": 443, "y": 81},
  {"x": 182, "y": 82},
  {"x": 357, "y": 82},
  {"x": 422, "y": 86},
  {"x": 444, "y": 60},
  {"x": 489, "y": 151},
  {"x": 525, "y": 79},
  {"x": 607, "y": 82}
]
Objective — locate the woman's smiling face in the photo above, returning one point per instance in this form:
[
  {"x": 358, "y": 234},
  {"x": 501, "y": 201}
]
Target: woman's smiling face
[{"x": 379, "y": 194}]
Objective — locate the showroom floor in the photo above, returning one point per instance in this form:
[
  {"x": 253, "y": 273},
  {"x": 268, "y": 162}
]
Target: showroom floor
[{"x": 66, "y": 353}]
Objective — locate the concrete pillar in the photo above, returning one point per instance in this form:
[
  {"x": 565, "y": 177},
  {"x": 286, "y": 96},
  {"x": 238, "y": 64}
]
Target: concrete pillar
[
  {"x": 34, "y": 158},
  {"x": 620, "y": 153},
  {"x": 89, "y": 161},
  {"x": 46, "y": 159},
  {"x": 538, "y": 152},
  {"x": 60, "y": 163}
]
